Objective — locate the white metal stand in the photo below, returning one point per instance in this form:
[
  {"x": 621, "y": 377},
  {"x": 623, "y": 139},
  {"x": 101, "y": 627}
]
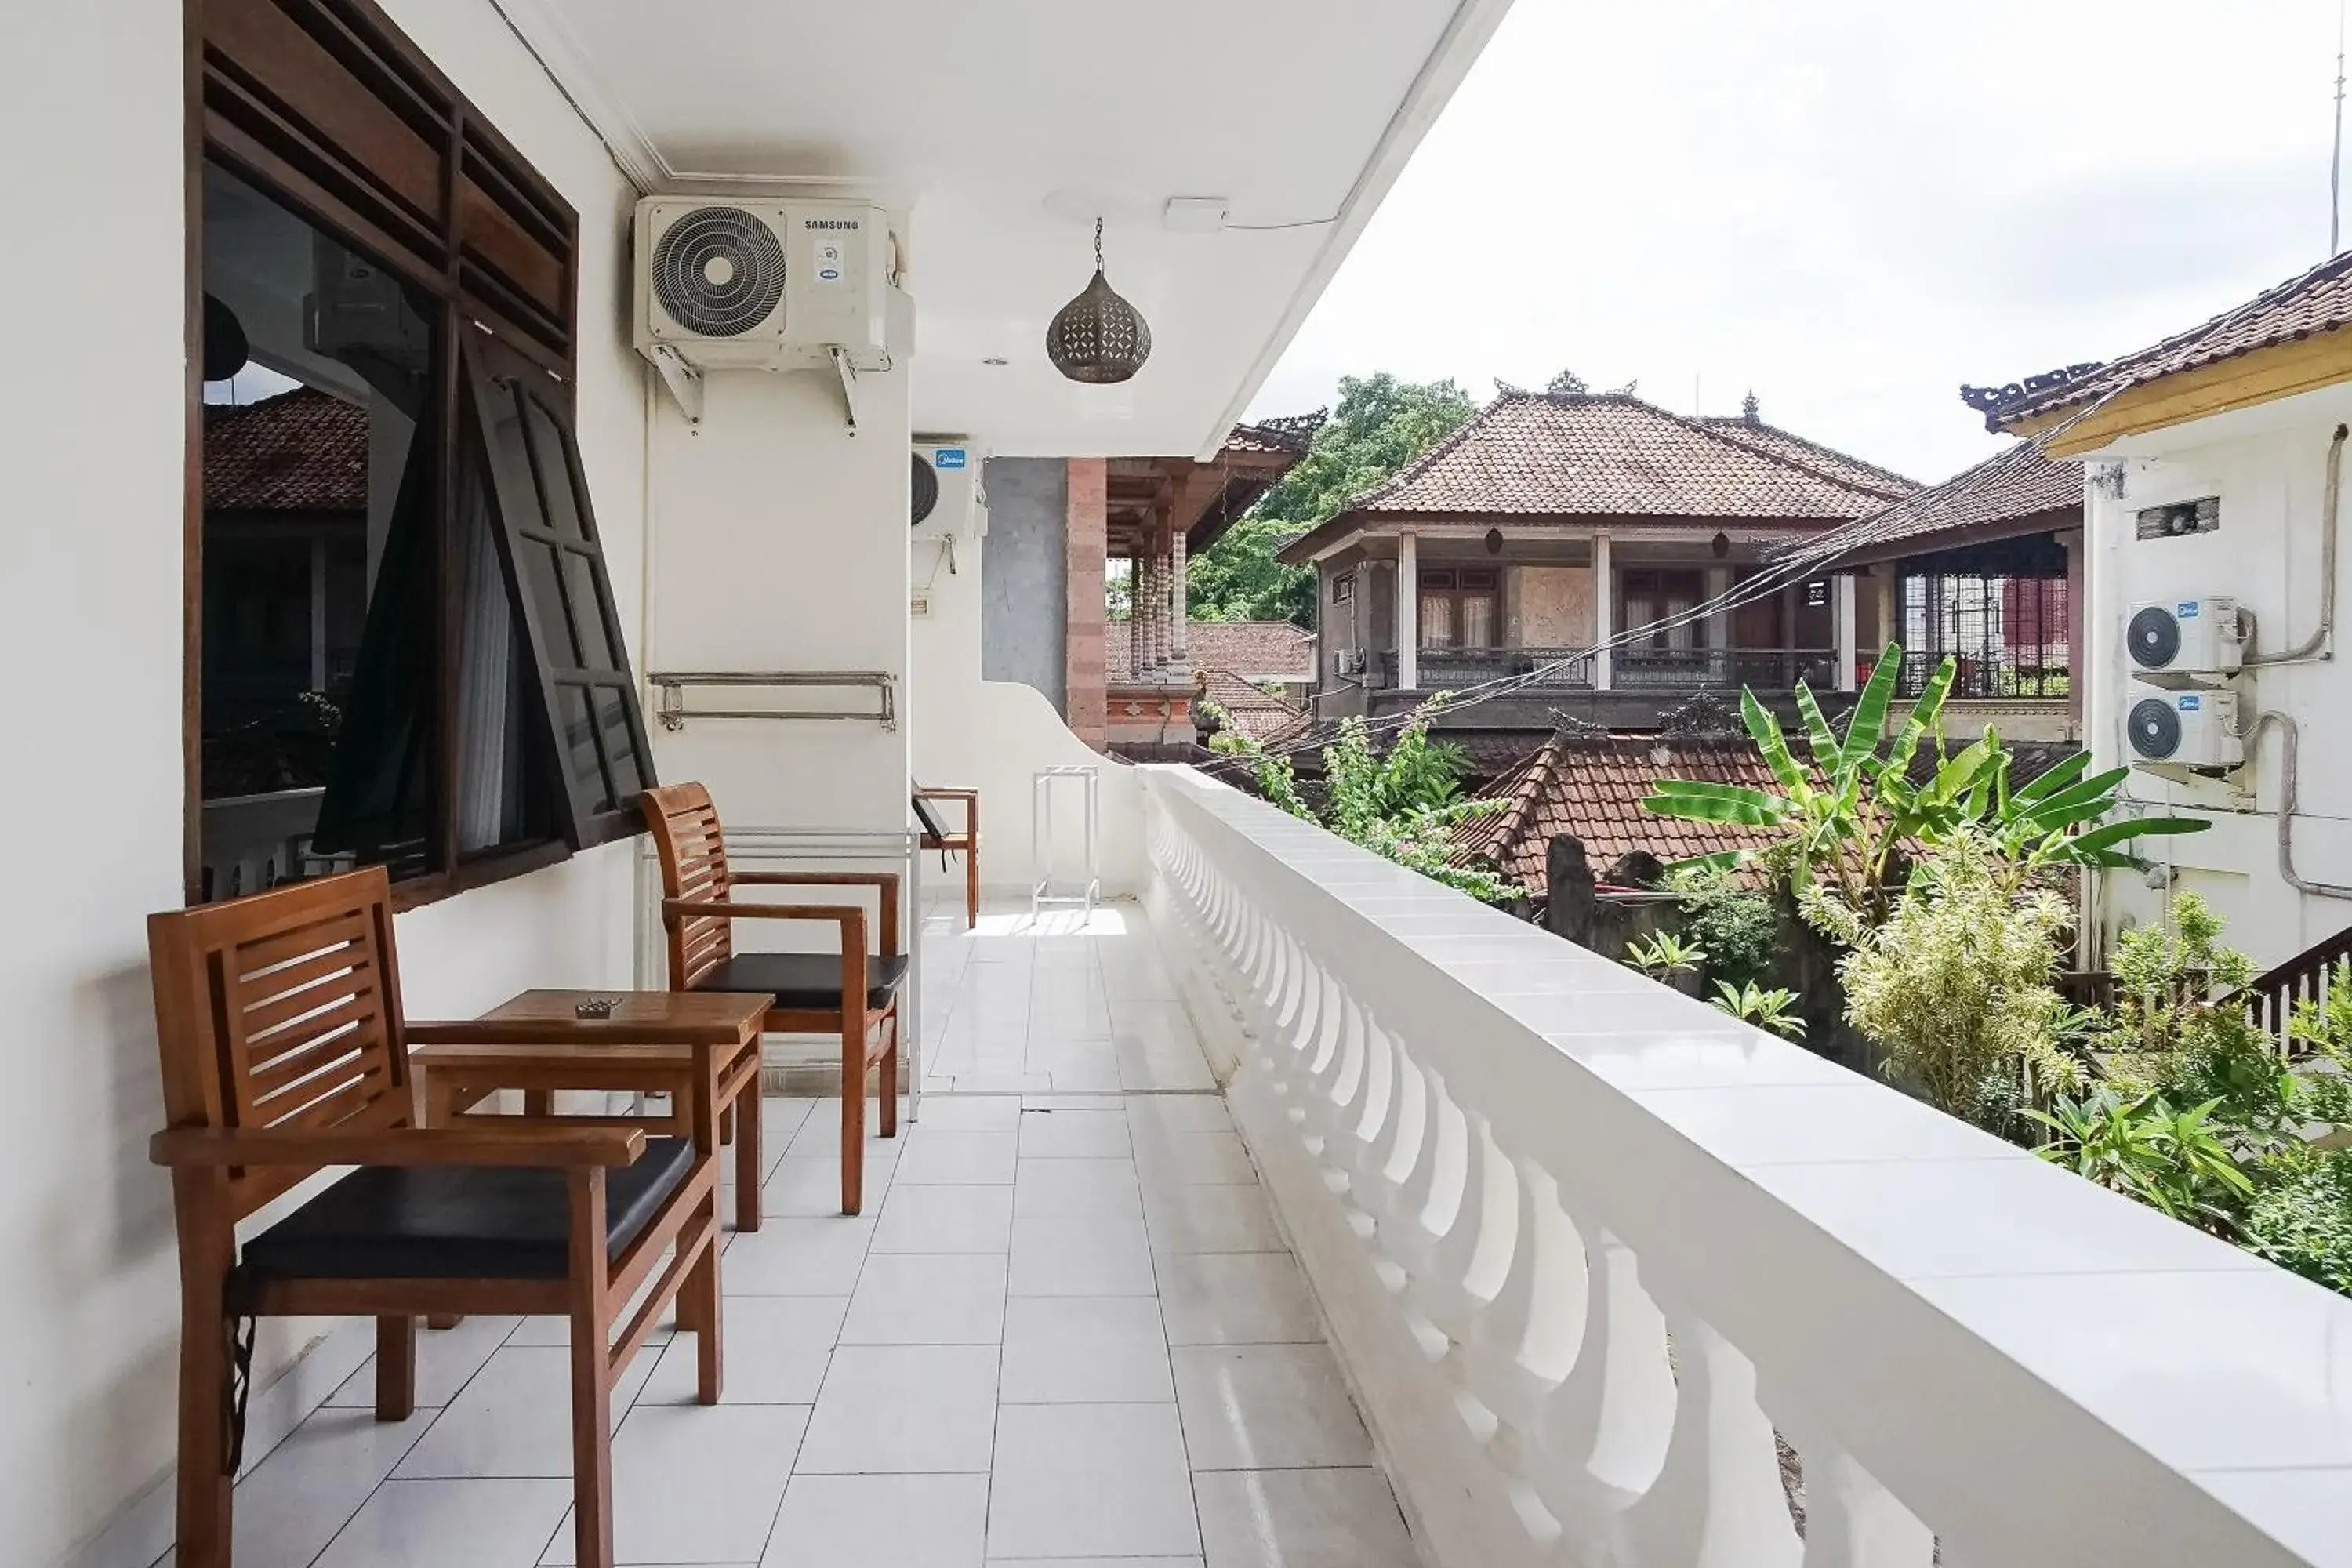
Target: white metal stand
[{"x": 1041, "y": 837}]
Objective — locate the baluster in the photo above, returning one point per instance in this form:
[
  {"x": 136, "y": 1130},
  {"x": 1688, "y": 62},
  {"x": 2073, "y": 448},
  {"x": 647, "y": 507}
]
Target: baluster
[
  {"x": 1851, "y": 1520},
  {"x": 1468, "y": 1263},
  {"x": 1526, "y": 1342},
  {"x": 1361, "y": 1114},
  {"x": 1324, "y": 1061},
  {"x": 1606, "y": 1427},
  {"x": 1398, "y": 1147},
  {"x": 1718, "y": 1502},
  {"x": 1434, "y": 1190}
]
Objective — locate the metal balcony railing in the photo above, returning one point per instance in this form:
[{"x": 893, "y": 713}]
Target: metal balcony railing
[
  {"x": 1452, "y": 668},
  {"x": 1612, "y": 1273},
  {"x": 1767, "y": 669}
]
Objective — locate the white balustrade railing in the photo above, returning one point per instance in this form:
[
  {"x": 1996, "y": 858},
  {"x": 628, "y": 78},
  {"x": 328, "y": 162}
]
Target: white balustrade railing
[{"x": 1609, "y": 1271}]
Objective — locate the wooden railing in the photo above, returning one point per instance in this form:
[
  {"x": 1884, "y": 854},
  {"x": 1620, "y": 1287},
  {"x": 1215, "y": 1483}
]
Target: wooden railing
[{"x": 2270, "y": 997}]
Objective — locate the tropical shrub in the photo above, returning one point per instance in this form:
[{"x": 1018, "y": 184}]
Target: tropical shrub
[
  {"x": 1737, "y": 930},
  {"x": 1845, "y": 814},
  {"x": 2171, "y": 1160},
  {"x": 1774, "y": 1009},
  {"x": 1665, "y": 956},
  {"x": 2302, "y": 1217},
  {"x": 1402, "y": 804},
  {"x": 1954, "y": 985}
]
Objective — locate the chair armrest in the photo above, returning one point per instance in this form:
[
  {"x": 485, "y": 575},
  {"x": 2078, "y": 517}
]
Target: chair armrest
[
  {"x": 971, "y": 798},
  {"x": 886, "y": 880},
  {"x": 527, "y": 1145},
  {"x": 727, "y": 909}
]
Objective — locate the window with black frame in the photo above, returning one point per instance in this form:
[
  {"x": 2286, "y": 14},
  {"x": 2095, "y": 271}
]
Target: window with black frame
[
  {"x": 408, "y": 651},
  {"x": 2007, "y": 635}
]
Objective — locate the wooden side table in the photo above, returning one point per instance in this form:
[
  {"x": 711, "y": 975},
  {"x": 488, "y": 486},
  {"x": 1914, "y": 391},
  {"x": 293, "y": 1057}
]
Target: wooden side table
[{"x": 651, "y": 1042}]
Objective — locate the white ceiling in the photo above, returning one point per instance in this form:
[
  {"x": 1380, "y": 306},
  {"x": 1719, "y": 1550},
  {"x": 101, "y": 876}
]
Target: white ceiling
[{"x": 1000, "y": 127}]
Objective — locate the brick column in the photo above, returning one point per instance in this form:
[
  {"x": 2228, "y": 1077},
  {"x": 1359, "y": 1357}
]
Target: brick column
[
  {"x": 1082, "y": 654},
  {"x": 1178, "y": 602}
]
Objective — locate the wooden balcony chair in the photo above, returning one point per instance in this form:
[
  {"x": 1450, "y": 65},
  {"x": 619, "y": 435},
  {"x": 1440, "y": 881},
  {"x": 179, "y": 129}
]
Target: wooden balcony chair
[
  {"x": 284, "y": 1052},
  {"x": 852, "y": 994},
  {"x": 937, "y": 836}
]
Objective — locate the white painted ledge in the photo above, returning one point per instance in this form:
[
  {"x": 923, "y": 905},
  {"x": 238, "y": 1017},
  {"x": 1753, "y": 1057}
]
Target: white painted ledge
[{"x": 1516, "y": 1172}]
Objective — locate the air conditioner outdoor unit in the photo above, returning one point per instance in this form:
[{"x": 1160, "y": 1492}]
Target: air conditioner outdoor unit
[
  {"x": 1347, "y": 661},
  {"x": 769, "y": 285},
  {"x": 947, "y": 502},
  {"x": 2170, "y": 639},
  {"x": 2187, "y": 730},
  {"x": 357, "y": 308}
]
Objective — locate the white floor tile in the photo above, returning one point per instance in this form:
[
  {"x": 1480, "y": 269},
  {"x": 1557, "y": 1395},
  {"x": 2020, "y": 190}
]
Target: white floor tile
[
  {"x": 1235, "y": 1298},
  {"x": 514, "y": 1419},
  {"x": 776, "y": 1350},
  {"x": 909, "y": 1409},
  {"x": 1083, "y": 1350},
  {"x": 809, "y": 1187},
  {"x": 292, "y": 1503},
  {"x": 1075, "y": 1134},
  {"x": 1264, "y": 1407},
  {"x": 1301, "y": 1518},
  {"x": 1210, "y": 1219},
  {"x": 446, "y": 1358},
  {"x": 946, "y": 1219},
  {"x": 821, "y": 1134},
  {"x": 1144, "y": 1065},
  {"x": 924, "y": 1299},
  {"x": 797, "y": 1255},
  {"x": 881, "y": 1521},
  {"x": 693, "y": 1485},
  {"x": 1089, "y": 1257},
  {"x": 1151, "y": 1113},
  {"x": 974, "y": 1113},
  {"x": 436, "y": 1523},
  {"x": 1194, "y": 1159},
  {"x": 1077, "y": 1189},
  {"x": 544, "y": 1332},
  {"x": 1094, "y": 1562},
  {"x": 1078, "y": 1067},
  {"x": 938, "y": 1157},
  {"x": 1090, "y": 1480},
  {"x": 1015, "y": 1079}
]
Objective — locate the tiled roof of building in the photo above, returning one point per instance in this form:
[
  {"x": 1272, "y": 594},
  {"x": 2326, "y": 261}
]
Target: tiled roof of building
[
  {"x": 1254, "y": 650},
  {"x": 1533, "y": 456},
  {"x": 2016, "y": 486},
  {"x": 2318, "y": 301},
  {"x": 299, "y": 451},
  {"x": 1779, "y": 443},
  {"x": 1248, "y": 709},
  {"x": 1593, "y": 789}
]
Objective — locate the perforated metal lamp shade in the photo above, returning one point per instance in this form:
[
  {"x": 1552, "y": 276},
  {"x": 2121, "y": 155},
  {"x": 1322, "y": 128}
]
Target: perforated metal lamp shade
[{"x": 1099, "y": 338}]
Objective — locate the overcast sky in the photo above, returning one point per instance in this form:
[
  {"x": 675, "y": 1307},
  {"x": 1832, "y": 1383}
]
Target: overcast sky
[{"x": 1851, "y": 206}]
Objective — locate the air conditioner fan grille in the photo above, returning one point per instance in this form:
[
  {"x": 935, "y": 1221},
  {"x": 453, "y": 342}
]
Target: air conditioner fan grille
[
  {"x": 2155, "y": 729},
  {"x": 719, "y": 272}
]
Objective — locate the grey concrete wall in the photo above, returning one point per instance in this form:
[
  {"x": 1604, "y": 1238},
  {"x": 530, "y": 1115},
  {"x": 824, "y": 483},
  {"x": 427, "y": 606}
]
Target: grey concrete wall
[{"x": 1025, "y": 574}]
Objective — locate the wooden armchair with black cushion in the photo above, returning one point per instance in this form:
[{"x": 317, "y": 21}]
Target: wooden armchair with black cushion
[
  {"x": 937, "y": 835},
  {"x": 851, "y": 992},
  {"x": 285, "y": 1053}
]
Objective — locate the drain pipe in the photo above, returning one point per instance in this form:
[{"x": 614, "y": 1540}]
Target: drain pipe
[
  {"x": 2288, "y": 747},
  {"x": 2321, "y": 642}
]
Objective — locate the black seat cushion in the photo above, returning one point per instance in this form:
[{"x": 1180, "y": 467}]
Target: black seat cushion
[
  {"x": 459, "y": 1222},
  {"x": 931, "y": 827},
  {"x": 809, "y": 981}
]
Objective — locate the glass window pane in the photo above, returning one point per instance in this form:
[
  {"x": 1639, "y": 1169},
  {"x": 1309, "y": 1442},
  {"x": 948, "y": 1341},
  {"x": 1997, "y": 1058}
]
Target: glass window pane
[
  {"x": 547, "y": 458},
  {"x": 1477, "y": 623},
  {"x": 577, "y": 734},
  {"x": 318, "y": 624},
  {"x": 1436, "y": 620},
  {"x": 619, "y": 744}
]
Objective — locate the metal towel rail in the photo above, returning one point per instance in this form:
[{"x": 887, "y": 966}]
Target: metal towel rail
[{"x": 674, "y": 712}]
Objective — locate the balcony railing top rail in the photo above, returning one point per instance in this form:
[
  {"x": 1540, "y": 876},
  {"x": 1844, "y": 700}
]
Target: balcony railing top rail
[
  {"x": 1592, "y": 1250},
  {"x": 1461, "y": 665}
]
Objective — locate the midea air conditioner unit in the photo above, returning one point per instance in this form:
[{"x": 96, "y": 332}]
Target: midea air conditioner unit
[
  {"x": 2180, "y": 638},
  {"x": 2186, "y": 728},
  {"x": 946, "y": 498},
  {"x": 769, "y": 285}
]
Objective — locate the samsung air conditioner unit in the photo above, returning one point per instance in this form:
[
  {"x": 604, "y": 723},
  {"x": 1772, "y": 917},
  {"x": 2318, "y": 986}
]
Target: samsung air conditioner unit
[
  {"x": 769, "y": 285},
  {"x": 946, "y": 501},
  {"x": 2185, "y": 730},
  {"x": 2172, "y": 641}
]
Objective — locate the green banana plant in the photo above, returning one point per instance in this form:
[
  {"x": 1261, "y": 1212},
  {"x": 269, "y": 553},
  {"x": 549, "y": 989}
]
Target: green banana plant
[{"x": 1844, "y": 815}]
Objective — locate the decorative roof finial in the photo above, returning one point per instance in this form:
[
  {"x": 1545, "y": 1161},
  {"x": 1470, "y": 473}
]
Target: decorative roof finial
[{"x": 1750, "y": 409}]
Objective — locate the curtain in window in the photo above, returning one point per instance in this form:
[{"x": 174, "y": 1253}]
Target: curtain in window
[{"x": 1437, "y": 620}]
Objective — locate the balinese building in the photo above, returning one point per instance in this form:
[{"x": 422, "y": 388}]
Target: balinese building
[{"x": 1549, "y": 524}]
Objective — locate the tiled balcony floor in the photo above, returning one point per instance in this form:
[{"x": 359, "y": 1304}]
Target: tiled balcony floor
[{"x": 1066, "y": 1330}]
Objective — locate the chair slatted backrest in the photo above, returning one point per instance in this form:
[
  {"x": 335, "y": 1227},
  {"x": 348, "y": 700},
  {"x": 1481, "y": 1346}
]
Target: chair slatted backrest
[
  {"x": 282, "y": 1010},
  {"x": 693, "y": 854}
]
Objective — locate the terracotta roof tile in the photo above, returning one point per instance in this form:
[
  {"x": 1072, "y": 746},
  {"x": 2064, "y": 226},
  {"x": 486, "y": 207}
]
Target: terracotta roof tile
[
  {"x": 1537, "y": 456},
  {"x": 2318, "y": 301},
  {"x": 1593, "y": 789},
  {"x": 1254, "y": 650},
  {"x": 299, "y": 451},
  {"x": 1247, "y": 709},
  {"x": 2014, "y": 486}
]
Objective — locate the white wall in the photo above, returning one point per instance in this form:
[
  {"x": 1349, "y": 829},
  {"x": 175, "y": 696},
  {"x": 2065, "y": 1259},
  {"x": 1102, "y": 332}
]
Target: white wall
[
  {"x": 90, "y": 582},
  {"x": 994, "y": 736},
  {"x": 2269, "y": 467}
]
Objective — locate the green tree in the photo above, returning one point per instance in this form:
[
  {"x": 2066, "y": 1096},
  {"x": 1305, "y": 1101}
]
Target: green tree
[{"x": 1381, "y": 424}]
